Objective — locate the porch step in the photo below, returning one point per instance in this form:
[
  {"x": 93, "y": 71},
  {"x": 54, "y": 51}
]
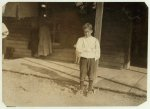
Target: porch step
[
  {"x": 22, "y": 52},
  {"x": 56, "y": 45},
  {"x": 63, "y": 55},
  {"x": 111, "y": 58},
  {"x": 19, "y": 55},
  {"x": 109, "y": 64},
  {"x": 20, "y": 46}
]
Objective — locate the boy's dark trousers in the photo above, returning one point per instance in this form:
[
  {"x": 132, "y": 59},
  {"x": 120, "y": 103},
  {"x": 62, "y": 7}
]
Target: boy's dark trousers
[{"x": 87, "y": 68}]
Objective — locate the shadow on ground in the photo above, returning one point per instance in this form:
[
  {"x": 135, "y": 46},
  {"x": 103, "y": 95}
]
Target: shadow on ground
[{"x": 59, "y": 80}]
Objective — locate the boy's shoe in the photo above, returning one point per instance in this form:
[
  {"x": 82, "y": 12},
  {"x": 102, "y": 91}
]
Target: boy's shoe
[
  {"x": 80, "y": 92},
  {"x": 90, "y": 92}
]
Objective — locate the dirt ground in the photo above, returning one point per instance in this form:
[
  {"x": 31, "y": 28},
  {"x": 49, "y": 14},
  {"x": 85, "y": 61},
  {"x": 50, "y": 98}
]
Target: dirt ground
[{"x": 28, "y": 90}]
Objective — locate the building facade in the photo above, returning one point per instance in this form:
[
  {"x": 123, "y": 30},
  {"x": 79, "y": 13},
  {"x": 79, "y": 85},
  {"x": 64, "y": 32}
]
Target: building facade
[{"x": 122, "y": 29}]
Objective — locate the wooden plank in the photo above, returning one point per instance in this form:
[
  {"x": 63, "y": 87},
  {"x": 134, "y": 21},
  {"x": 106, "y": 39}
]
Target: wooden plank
[
  {"x": 68, "y": 51},
  {"x": 61, "y": 59},
  {"x": 16, "y": 55},
  {"x": 18, "y": 50},
  {"x": 111, "y": 64},
  {"x": 112, "y": 59},
  {"x": 22, "y": 54},
  {"x": 16, "y": 46},
  {"x": 19, "y": 38},
  {"x": 112, "y": 42},
  {"x": 112, "y": 53},
  {"x": 17, "y": 42},
  {"x": 114, "y": 46},
  {"x": 109, "y": 48}
]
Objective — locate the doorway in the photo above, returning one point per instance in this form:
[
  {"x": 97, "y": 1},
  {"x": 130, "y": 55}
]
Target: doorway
[{"x": 139, "y": 41}]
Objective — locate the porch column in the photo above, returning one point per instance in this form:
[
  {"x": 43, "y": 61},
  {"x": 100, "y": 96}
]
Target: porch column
[
  {"x": 98, "y": 26},
  {"x": 128, "y": 55},
  {"x": 98, "y": 20}
]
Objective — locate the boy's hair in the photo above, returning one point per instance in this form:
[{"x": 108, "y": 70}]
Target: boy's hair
[{"x": 87, "y": 26}]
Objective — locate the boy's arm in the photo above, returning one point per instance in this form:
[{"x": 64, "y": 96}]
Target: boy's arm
[
  {"x": 5, "y": 31},
  {"x": 97, "y": 50},
  {"x": 79, "y": 46}
]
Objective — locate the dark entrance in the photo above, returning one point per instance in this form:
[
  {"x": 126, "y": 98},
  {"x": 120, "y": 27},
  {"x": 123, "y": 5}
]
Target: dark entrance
[{"x": 139, "y": 41}]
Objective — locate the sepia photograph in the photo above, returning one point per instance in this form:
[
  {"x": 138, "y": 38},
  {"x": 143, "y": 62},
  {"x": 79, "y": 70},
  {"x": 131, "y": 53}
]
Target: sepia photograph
[{"x": 74, "y": 54}]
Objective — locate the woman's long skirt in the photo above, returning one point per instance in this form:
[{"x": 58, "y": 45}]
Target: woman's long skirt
[{"x": 45, "y": 43}]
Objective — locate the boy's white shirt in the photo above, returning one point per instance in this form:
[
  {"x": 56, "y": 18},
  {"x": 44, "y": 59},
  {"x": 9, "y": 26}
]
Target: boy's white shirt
[
  {"x": 88, "y": 47},
  {"x": 5, "y": 31}
]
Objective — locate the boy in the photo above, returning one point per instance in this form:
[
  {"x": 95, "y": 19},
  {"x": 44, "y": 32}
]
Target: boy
[
  {"x": 5, "y": 33},
  {"x": 89, "y": 50}
]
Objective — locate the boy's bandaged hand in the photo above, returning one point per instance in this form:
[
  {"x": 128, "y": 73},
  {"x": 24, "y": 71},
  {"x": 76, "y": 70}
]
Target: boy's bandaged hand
[{"x": 96, "y": 58}]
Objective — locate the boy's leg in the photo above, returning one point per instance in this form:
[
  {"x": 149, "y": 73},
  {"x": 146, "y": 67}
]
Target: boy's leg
[
  {"x": 95, "y": 72},
  {"x": 90, "y": 85},
  {"x": 83, "y": 71},
  {"x": 81, "y": 85},
  {"x": 91, "y": 73}
]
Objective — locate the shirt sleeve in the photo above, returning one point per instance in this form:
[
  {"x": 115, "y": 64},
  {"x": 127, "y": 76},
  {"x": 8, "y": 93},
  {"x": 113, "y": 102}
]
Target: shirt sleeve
[
  {"x": 97, "y": 50},
  {"x": 5, "y": 31},
  {"x": 79, "y": 46}
]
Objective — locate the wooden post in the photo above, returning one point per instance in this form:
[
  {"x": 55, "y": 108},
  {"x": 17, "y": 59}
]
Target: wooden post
[
  {"x": 98, "y": 28},
  {"x": 128, "y": 55},
  {"x": 98, "y": 20}
]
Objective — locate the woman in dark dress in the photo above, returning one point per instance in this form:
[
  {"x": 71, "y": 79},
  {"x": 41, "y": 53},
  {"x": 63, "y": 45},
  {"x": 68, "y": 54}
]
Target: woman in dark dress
[{"x": 34, "y": 38}]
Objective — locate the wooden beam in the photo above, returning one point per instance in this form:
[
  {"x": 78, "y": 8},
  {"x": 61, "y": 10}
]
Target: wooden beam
[
  {"x": 128, "y": 55},
  {"x": 98, "y": 20},
  {"x": 98, "y": 28}
]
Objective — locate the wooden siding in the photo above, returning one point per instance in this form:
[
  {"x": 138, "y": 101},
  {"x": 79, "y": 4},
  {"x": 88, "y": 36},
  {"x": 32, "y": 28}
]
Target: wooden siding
[{"x": 116, "y": 32}]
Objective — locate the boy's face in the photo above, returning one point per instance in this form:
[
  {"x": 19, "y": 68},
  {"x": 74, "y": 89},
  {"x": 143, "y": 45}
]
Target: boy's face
[{"x": 87, "y": 32}]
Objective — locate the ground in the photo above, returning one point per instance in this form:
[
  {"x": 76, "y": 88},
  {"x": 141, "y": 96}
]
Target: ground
[{"x": 30, "y": 90}]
